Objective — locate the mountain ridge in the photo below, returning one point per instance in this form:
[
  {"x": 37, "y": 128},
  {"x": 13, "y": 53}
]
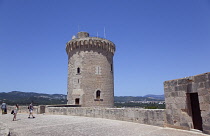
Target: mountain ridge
[{"x": 24, "y": 98}]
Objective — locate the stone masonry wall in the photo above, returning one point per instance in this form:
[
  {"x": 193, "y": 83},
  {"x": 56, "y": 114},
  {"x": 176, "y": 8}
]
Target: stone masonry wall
[
  {"x": 90, "y": 71},
  {"x": 22, "y": 109},
  {"x": 143, "y": 116},
  {"x": 179, "y": 105}
]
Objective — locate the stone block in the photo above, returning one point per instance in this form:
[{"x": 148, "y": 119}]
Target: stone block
[
  {"x": 185, "y": 124},
  {"x": 183, "y": 88},
  {"x": 204, "y": 107},
  {"x": 176, "y": 88},
  {"x": 194, "y": 88},
  {"x": 206, "y": 99},
  {"x": 180, "y": 100},
  {"x": 169, "y": 119},
  {"x": 201, "y": 85},
  {"x": 200, "y": 78},
  {"x": 173, "y": 83},
  {"x": 201, "y": 99},
  {"x": 189, "y": 88},
  {"x": 167, "y": 94},
  {"x": 207, "y": 84},
  {"x": 182, "y": 81},
  {"x": 174, "y": 94},
  {"x": 206, "y": 120},
  {"x": 206, "y": 127},
  {"x": 205, "y": 114},
  {"x": 165, "y": 84},
  {"x": 182, "y": 106},
  {"x": 202, "y": 92},
  {"x": 166, "y": 90},
  {"x": 170, "y": 100},
  {"x": 182, "y": 94}
]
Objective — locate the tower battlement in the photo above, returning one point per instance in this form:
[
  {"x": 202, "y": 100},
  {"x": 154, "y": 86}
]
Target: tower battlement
[{"x": 84, "y": 41}]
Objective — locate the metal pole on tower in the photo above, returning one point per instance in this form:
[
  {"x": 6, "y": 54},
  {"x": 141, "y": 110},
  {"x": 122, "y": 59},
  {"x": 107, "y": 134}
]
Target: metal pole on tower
[{"x": 104, "y": 32}]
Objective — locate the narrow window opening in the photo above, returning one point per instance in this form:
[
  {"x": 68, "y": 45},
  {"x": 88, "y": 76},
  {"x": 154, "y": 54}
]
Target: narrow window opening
[
  {"x": 78, "y": 80},
  {"x": 111, "y": 67},
  {"x": 98, "y": 94},
  {"x": 78, "y": 70},
  {"x": 77, "y": 101}
]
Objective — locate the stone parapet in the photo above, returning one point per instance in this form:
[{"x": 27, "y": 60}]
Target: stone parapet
[
  {"x": 23, "y": 109},
  {"x": 144, "y": 116}
]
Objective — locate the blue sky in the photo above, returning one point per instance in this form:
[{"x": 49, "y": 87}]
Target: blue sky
[{"x": 156, "y": 40}]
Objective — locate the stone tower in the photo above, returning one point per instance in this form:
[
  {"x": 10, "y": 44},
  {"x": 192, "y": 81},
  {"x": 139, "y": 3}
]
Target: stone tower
[{"x": 90, "y": 71}]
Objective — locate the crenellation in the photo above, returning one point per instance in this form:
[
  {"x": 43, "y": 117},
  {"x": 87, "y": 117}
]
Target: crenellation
[{"x": 91, "y": 42}]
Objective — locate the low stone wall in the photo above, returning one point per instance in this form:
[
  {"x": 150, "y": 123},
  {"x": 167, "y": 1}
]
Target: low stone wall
[
  {"x": 23, "y": 109},
  {"x": 143, "y": 116}
]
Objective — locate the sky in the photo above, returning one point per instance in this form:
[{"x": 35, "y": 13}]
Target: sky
[{"x": 156, "y": 41}]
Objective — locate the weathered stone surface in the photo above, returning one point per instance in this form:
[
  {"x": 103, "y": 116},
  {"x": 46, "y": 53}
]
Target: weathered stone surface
[
  {"x": 169, "y": 119},
  {"x": 207, "y": 84},
  {"x": 151, "y": 117},
  {"x": 206, "y": 127},
  {"x": 202, "y": 92},
  {"x": 204, "y": 106},
  {"x": 200, "y": 78},
  {"x": 201, "y": 85},
  {"x": 182, "y": 81},
  {"x": 90, "y": 70},
  {"x": 184, "y": 124},
  {"x": 178, "y": 101}
]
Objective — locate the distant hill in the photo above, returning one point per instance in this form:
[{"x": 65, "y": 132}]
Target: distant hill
[
  {"x": 137, "y": 98},
  {"x": 160, "y": 97},
  {"x": 24, "y": 98}
]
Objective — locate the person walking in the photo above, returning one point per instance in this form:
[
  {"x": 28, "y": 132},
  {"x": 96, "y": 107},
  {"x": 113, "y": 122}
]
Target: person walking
[
  {"x": 15, "y": 112},
  {"x": 4, "y": 108},
  {"x": 31, "y": 108}
]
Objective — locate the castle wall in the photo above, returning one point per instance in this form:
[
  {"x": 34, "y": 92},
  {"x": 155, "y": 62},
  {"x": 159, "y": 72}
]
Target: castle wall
[
  {"x": 22, "y": 109},
  {"x": 144, "y": 116},
  {"x": 181, "y": 96},
  {"x": 95, "y": 74}
]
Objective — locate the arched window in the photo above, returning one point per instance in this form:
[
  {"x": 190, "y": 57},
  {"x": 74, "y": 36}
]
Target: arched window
[
  {"x": 98, "y": 94},
  {"x": 78, "y": 70}
]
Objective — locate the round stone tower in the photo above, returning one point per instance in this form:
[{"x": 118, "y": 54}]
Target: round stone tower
[{"x": 90, "y": 71}]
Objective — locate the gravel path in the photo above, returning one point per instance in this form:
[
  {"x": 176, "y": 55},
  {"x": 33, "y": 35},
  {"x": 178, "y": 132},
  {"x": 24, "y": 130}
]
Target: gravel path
[{"x": 62, "y": 125}]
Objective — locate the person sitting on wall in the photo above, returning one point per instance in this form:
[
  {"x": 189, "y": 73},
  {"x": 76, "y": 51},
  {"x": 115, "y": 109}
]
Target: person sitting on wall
[
  {"x": 4, "y": 108},
  {"x": 31, "y": 107}
]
